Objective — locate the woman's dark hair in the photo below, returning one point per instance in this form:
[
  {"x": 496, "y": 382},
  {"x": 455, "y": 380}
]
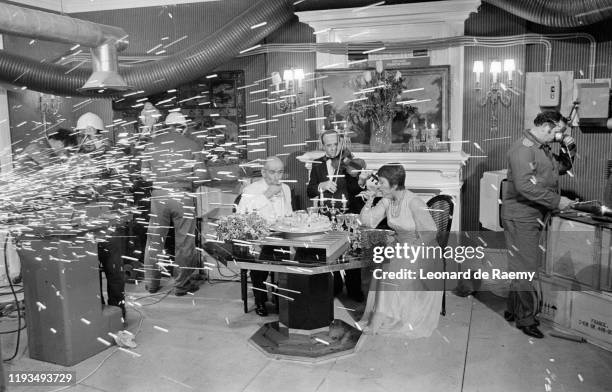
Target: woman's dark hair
[
  {"x": 394, "y": 173},
  {"x": 65, "y": 136}
]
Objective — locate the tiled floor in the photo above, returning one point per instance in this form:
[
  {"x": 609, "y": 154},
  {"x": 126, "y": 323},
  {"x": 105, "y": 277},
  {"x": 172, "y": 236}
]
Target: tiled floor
[{"x": 206, "y": 349}]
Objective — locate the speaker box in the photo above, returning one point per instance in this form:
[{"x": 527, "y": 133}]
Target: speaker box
[{"x": 64, "y": 313}]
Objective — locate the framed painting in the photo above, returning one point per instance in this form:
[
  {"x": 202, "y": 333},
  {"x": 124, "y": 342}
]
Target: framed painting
[{"x": 422, "y": 129}]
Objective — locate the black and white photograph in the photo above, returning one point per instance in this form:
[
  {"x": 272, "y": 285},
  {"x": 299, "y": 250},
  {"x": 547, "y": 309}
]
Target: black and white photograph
[{"x": 305, "y": 195}]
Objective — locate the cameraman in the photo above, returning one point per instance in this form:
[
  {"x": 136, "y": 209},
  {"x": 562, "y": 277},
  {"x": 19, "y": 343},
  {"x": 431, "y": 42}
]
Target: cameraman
[{"x": 531, "y": 193}]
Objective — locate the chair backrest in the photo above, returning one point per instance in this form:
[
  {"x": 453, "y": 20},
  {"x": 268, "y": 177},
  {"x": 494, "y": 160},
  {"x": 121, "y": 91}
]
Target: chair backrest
[
  {"x": 236, "y": 202},
  {"x": 441, "y": 209}
]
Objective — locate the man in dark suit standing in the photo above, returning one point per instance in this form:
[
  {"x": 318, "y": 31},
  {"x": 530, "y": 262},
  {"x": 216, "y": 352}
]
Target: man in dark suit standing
[{"x": 334, "y": 180}]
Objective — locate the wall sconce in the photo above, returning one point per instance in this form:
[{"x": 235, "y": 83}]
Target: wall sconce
[
  {"x": 498, "y": 92},
  {"x": 288, "y": 99},
  {"x": 49, "y": 105}
]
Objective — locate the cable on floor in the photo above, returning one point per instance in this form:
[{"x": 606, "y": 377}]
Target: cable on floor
[{"x": 142, "y": 317}]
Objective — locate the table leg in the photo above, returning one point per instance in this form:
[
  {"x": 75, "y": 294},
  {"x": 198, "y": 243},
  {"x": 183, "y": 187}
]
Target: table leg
[{"x": 243, "y": 289}]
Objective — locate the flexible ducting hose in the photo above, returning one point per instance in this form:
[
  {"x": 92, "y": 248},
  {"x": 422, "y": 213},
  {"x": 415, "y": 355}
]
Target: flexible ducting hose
[
  {"x": 183, "y": 67},
  {"x": 558, "y": 13},
  {"x": 42, "y": 25}
]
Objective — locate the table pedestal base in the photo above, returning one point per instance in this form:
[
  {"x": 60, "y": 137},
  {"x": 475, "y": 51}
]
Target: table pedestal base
[
  {"x": 279, "y": 342},
  {"x": 312, "y": 300}
]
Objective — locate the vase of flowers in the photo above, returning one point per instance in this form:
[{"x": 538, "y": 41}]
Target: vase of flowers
[
  {"x": 239, "y": 229},
  {"x": 380, "y": 137},
  {"x": 380, "y": 98}
]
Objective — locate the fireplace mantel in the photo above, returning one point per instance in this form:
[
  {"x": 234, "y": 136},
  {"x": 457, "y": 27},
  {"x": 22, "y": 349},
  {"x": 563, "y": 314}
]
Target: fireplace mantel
[
  {"x": 426, "y": 173},
  {"x": 390, "y": 23}
]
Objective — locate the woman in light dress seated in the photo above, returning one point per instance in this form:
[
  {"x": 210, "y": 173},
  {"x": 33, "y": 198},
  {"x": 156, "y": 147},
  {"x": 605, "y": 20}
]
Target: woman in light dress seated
[{"x": 401, "y": 307}]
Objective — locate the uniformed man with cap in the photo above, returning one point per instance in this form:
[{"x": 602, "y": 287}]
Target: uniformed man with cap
[{"x": 532, "y": 192}]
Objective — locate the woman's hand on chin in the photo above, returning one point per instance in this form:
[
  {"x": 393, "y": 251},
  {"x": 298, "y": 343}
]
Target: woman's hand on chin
[{"x": 369, "y": 194}]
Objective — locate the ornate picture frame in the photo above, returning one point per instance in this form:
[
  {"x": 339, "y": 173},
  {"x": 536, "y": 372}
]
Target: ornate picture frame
[{"x": 428, "y": 86}]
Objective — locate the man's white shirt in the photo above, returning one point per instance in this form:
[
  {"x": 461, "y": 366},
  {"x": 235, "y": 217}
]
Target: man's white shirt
[{"x": 253, "y": 199}]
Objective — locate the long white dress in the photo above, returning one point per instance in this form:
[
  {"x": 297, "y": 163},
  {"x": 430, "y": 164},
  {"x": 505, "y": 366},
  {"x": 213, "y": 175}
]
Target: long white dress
[{"x": 403, "y": 307}]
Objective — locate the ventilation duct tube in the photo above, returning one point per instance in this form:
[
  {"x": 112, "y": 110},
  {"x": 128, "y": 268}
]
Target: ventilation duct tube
[
  {"x": 182, "y": 67},
  {"x": 558, "y": 13},
  {"x": 103, "y": 40},
  {"x": 46, "y": 26}
]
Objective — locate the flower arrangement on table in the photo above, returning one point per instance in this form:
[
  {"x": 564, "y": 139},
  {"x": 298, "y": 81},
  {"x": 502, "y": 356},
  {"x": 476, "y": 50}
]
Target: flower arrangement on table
[
  {"x": 242, "y": 227},
  {"x": 379, "y": 100},
  {"x": 236, "y": 228}
]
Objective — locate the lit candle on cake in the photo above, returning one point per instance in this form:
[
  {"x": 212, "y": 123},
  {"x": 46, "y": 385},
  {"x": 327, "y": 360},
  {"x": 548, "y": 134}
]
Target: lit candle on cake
[
  {"x": 321, "y": 197},
  {"x": 344, "y": 201}
]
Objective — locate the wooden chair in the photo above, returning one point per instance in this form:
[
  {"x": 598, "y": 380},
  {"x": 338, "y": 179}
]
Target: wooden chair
[{"x": 441, "y": 209}]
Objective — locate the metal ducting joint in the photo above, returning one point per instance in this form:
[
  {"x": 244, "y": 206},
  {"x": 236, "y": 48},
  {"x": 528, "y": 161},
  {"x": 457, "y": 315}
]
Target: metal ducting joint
[
  {"x": 103, "y": 40},
  {"x": 105, "y": 75},
  {"x": 182, "y": 67},
  {"x": 558, "y": 13}
]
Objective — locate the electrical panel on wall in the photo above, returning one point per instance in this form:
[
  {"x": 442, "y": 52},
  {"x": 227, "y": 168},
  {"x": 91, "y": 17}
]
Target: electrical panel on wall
[
  {"x": 550, "y": 91},
  {"x": 546, "y": 91},
  {"x": 594, "y": 102}
]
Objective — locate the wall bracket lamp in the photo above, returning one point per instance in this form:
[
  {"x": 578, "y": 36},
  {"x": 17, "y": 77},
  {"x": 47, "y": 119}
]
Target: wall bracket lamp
[{"x": 498, "y": 92}]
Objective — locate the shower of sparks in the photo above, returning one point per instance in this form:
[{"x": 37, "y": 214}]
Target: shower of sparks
[
  {"x": 105, "y": 342},
  {"x": 258, "y": 25},
  {"x": 496, "y": 138},
  {"x": 177, "y": 382},
  {"x": 367, "y": 6},
  {"x": 374, "y": 50},
  {"x": 357, "y": 61},
  {"x": 153, "y": 49},
  {"x": 251, "y": 48},
  {"x": 322, "y": 31},
  {"x": 413, "y": 89},
  {"x": 75, "y": 67},
  {"x": 129, "y": 352},
  {"x": 175, "y": 41},
  {"x": 322, "y": 341}
]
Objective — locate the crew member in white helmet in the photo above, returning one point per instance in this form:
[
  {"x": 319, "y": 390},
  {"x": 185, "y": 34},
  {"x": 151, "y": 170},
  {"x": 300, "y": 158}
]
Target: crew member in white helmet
[
  {"x": 170, "y": 162},
  {"x": 90, "y": 127},
  {"x": 111, "y": 248}
]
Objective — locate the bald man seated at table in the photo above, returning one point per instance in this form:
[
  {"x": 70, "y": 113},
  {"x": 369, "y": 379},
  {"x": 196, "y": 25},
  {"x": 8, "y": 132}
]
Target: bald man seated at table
[{"x": 272, "y": 200}]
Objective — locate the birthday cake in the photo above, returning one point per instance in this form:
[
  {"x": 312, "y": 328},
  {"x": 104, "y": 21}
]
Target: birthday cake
[{"x": 303, "y": 224}]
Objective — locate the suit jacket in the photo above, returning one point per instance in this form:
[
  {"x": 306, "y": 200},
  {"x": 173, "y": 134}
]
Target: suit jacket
[{"x": 347, "y": 186}]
